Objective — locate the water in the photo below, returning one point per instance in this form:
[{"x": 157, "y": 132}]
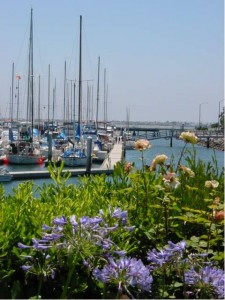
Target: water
[{"x": 160, "y": 146}]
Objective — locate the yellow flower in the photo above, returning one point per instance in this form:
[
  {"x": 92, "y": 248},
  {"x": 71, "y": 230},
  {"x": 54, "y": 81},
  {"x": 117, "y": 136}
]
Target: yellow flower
[
  {"x": 142, "y": 145},
  {"x": 188, "y": 171},
  {"x": 211, "y": 184},
  {"x": 159, "y": 159},
  {"x": 189, "y": 137}
]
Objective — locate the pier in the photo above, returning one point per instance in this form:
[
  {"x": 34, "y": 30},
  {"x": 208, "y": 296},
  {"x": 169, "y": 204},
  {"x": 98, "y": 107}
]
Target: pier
[
  {"x": 114, "y": 156},
  {"x": 207, "y": 138}
]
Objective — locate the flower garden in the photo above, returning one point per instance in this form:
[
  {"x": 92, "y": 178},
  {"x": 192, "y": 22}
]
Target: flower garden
[{"x": 150, "y": 233}]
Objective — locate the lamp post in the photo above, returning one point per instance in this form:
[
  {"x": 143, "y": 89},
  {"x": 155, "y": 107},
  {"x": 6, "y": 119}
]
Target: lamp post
[
  {"x": 219, "y": 114},
  {"x": 200, "y": 107}
]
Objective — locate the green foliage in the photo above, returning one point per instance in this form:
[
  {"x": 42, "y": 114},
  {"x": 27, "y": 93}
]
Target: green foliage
[{"x": 183, "y": 209}]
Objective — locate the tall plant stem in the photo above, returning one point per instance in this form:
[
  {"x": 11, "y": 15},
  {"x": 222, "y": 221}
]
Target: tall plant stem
[
  {"x": 70, "y": 274},
  {"x": 39, "y": 287},
  {"x": 182, "y": 152},
  {"x": 166, "y": 218},
  {"x": 145, "y": 184}
]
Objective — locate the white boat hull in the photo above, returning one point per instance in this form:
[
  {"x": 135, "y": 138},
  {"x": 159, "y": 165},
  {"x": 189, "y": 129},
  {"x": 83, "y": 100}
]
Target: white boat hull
[{"x": 21, "y": 159}]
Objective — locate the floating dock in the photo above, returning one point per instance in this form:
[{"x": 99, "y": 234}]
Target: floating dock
[{"x": 114, "y": 156}]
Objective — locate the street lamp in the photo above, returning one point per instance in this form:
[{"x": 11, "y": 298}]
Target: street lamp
[
  {"x": 219, "y": 113},
  {"x": 200, "y": 107}
]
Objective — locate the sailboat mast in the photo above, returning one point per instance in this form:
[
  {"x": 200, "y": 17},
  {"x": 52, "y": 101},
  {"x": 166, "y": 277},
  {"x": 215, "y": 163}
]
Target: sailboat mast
[
  {"x": 97, "y": 93},
  {"x": 48, "y": 95},
  {"x": 80, "y": 76},
  {"x": 105, "y": 120},
  {"x": 64, "y": 107},
  {"x": 12, "y": 93},
  {"x": 31, "y": 74},
  {"x": 39, "y": 104},
  {"x": 53, "y": 102}
]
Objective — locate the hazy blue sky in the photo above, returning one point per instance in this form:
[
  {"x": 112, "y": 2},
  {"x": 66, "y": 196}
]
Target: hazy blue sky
[{"x": 163, "y": 58}]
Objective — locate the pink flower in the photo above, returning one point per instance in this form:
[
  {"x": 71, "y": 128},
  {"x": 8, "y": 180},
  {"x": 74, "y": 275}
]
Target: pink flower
[
  {"x": 127, "y": 168},
  {"x": 170, "y": 180}
]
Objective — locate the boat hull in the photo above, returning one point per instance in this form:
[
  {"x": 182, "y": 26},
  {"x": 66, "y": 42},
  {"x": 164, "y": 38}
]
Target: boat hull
[
  {"x": 5, "y": 178},
  {"x": 19, "y": 159},
  {"x": 73, "y": 161},
  {"x": 5, "y": 175}
]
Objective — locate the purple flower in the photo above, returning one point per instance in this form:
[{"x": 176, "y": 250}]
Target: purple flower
[
  {"x": 46, "y": 227},
  {"x": 26, "y": 268},
  {"x": 95, "y": 220},
  {"x": 119, "y": 214},
  {"x": 59, "y": 221},
  {"x": 22, "y": 246},
  {"x": 129, "y": 271},
  {"x": 37, "y": 245},
  {"x": 120, "y": 252},
  {"x": 84, "y": 220},
  {"x": 168, "y": 253},
  {"x": 179, "y": 247},
  {"x": 158, "y": 258},
  {"x": 73, "y": 221},
  {"x": 51, "y": 237},
  {"x": 206, "y": 277},
  {"x": 111, "y": 228}
]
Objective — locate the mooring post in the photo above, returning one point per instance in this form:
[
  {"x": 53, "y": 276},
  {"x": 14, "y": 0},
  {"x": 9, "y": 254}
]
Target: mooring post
[
  {"x": 49, "y": 146},
  {"x": 207, "y": 143},
  {"x": 171, "y": 139},
  {"x": 124, "y": 144},
  {"x": 89, "y": 153}
]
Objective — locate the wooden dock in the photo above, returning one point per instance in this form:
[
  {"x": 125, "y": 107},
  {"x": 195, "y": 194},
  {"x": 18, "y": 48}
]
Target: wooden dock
[{"x": 114, "y": 156}]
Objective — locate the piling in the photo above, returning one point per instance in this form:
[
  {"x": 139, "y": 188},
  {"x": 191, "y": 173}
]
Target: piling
[
  {"x": 49, "y": 146},
  {"x": 207, "y": 143},
  {"x": 89, "y": 153}
]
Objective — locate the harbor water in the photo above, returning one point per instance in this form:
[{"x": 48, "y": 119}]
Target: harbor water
[{"x": 160, "y": 146}]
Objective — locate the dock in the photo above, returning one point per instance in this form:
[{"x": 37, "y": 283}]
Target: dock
[{"x": 114, "y": 156}]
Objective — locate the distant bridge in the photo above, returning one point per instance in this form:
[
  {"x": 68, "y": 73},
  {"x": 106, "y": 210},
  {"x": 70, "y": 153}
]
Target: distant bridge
[{"x": 170, "y": 133}]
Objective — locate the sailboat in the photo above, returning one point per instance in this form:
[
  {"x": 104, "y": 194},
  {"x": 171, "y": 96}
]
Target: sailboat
[
  {"x": 77, "y": 156},
  {"x": 24, "y": 151},
  {"x": 128, "y": 136}
]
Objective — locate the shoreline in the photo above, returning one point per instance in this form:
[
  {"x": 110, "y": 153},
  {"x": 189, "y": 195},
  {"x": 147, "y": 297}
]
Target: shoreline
[{"x": 217, "y": 144}]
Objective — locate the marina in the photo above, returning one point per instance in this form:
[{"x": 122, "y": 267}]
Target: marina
[
  {"x": 114, "y": 156},
  {"x": 41, "y": 174},
  {"x": 112, "y": 150}
]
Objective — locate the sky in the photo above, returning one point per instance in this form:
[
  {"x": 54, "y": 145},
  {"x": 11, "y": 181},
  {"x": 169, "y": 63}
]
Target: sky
[{"x": 160, "y": 60}]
